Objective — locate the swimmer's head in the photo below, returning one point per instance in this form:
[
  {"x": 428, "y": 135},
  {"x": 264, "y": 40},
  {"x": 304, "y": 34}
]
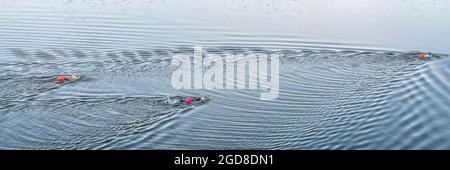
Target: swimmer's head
[
  {"x": 203, "y": 99},
  {"x": 72, "y": 77}
]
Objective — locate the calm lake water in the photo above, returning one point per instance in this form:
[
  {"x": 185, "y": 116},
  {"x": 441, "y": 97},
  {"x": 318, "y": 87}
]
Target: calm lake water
[{"x": 349, "y": 75}]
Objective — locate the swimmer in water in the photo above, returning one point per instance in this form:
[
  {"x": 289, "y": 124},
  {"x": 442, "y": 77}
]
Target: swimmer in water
[
  {"x": 424, "y": 56},
  {"x": 186, "y": 100},
  {"x": 62, "y": 78}
]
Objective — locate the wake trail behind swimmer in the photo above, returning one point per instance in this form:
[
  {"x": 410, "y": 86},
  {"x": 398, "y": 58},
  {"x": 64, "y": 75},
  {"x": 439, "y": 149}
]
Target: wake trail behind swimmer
[
  {"x": 175, "y": 100},
  {"x": 70, "y": 78}
]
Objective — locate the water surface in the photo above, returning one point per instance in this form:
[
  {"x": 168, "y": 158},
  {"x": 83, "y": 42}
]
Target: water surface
[{"x": 349, "y": 75}]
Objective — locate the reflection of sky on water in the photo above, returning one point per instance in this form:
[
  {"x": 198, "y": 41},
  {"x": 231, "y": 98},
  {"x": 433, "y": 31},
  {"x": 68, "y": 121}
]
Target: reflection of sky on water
[{"x": 402, "y": 25}]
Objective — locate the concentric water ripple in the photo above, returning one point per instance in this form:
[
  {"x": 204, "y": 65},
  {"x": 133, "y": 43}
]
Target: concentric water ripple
[
  {"x": 329, "y": 99},
  {"x": 349, "y": 75}
]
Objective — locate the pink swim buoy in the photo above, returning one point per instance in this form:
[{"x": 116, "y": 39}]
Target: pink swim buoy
[{"x": 188, "y": 100}]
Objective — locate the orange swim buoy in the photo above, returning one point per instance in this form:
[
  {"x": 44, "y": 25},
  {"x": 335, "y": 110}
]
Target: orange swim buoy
[
  {"x": 421, "y": 56},
  {"x": 60, "y": 78}
]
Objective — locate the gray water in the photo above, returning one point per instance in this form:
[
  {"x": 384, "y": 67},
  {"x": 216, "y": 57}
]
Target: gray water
[{"x": 349, "y": 74}]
